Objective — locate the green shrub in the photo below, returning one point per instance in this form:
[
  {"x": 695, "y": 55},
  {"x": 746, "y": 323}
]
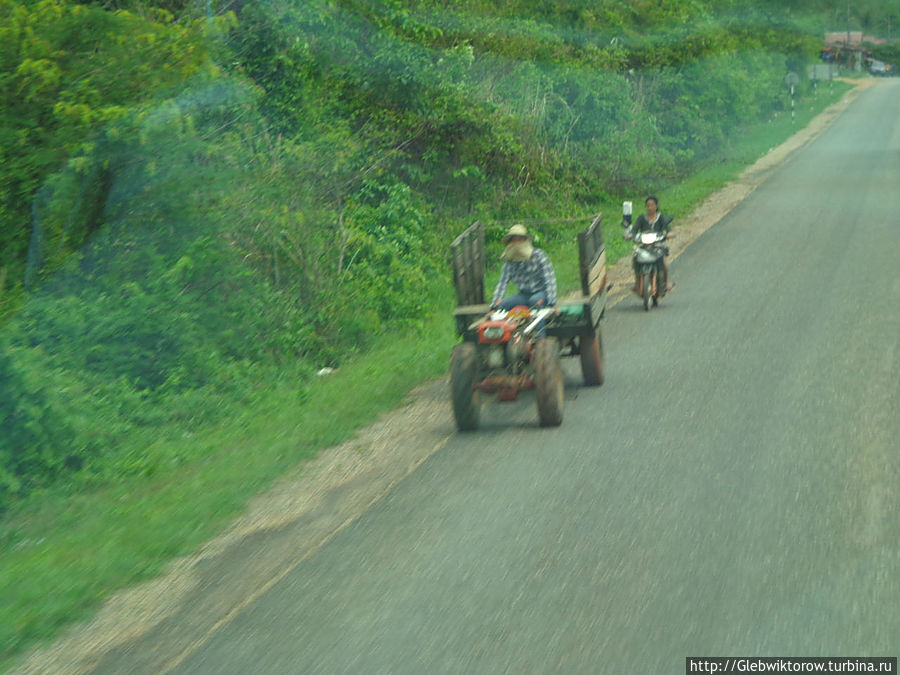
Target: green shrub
[
  {"x": 68, "y": 70},
  {"x": 38, "y": 441}
]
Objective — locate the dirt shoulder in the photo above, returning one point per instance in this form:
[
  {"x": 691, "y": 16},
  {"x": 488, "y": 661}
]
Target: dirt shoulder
[{"x": 154, "y": 626}]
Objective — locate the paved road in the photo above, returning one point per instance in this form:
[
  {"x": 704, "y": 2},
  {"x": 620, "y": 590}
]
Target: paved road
[{"x": 732, "y": 490}]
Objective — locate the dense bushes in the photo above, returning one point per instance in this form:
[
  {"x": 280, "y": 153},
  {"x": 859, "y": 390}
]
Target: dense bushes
[
  {"x": 34, "y": 445},
  {"x": 201, "y": 211},
  {"x": 211, "y": 274},
  {"x": 67, "y": 69}
]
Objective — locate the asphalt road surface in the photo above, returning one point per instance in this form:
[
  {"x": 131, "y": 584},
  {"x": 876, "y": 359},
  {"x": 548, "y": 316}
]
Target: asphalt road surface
[{"x": 732, "y": 490}]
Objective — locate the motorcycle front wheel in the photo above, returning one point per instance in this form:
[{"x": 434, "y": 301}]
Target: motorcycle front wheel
[
  {"x": 662, "y": 282},
  {"x": 657, "y": 286},
  {"x": 647, "y": 279}
]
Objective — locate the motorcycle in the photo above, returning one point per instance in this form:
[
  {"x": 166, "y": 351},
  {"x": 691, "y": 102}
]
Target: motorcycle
[
  {"x": 649, "y": 252},
  {"x": 648, "y": 255}
]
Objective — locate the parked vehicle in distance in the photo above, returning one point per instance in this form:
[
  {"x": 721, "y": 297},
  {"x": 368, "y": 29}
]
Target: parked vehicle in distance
[{"x": 878, "y": 68}]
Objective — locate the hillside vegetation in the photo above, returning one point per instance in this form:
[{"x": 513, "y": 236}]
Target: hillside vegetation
[{"x": 199, "y": 201}]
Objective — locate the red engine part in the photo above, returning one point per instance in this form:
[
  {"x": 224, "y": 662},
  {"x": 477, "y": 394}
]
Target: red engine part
[
  {"x": 492, "y": 332},
  {"x": 507, "y": 387}
]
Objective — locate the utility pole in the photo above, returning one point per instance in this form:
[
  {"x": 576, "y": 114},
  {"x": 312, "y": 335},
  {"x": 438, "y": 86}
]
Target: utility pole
[
  {"x": 851, "y": 58},
  {"x": 848, "y": 24}
]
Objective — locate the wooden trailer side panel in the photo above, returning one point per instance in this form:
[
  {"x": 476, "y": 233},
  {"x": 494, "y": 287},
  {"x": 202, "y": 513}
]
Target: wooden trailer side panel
[
  {"x": 467, "y": 256},
  {"x": 467, "y": 252},
  {"x": 592, "y": 260}
]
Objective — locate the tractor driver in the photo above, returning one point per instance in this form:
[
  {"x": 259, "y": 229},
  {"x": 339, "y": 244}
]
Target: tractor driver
[{"x": 529, "y": 268}]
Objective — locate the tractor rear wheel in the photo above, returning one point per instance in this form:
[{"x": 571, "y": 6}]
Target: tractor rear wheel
[{"x": 591, "y": 349}]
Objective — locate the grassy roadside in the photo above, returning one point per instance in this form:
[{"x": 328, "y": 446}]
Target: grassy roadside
[{"x": 63, "y": 554}]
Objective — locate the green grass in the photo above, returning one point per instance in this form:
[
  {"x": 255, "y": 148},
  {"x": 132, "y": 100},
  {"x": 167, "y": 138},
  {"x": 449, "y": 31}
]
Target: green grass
[{"x": 63, "y": 552}]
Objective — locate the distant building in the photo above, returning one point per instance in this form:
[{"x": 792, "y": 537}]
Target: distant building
[{"x": 845, "y": 48}]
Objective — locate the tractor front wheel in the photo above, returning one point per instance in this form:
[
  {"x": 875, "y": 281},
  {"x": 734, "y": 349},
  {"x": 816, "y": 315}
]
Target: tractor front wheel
[
  {"x": 464, "y": 386},
  {"x": 548, "y": 381}
]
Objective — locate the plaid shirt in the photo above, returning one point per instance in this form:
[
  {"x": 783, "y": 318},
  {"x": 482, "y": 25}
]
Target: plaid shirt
[{"x": 531, "y": 276}]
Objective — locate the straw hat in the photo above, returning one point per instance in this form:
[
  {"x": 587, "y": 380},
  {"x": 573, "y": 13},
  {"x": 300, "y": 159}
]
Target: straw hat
[{"x": 517, "y": 230}]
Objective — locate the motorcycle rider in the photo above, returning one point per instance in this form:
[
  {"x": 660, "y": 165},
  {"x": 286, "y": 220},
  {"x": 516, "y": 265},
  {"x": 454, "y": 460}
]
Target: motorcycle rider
[
  {"x": 651, "y": 221},
  {"x": 529, "y": 268}
]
